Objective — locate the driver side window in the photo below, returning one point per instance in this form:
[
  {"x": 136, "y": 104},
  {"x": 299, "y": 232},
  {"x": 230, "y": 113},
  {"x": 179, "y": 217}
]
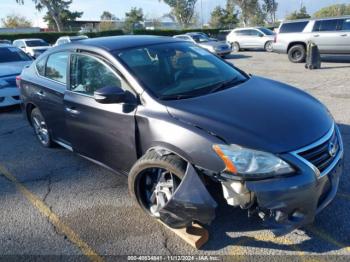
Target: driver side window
[{"x": 88, "y": 74}]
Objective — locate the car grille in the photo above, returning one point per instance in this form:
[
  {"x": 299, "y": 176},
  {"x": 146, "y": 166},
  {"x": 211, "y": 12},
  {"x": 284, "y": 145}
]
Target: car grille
[{"x": 323, "y": 155}]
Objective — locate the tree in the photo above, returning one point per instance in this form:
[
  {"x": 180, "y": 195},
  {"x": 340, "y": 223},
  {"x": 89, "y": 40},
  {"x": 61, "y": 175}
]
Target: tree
[
  {"x": 224, "y": 17},
  {"x": 301, "y": 14},
  {"x": 183, "y": 10},
  {"x": 333, "y": 10},
  {"x": 249, "y": 10},
  {"x": 15, "y": 20},
  {"x": 65, "y": 16},
  {"x": 269, "y": 8},
  {"x": 54, "y": 9},
  {"x": 133, "y": 19},
  {"x": 108, "y": 16}
]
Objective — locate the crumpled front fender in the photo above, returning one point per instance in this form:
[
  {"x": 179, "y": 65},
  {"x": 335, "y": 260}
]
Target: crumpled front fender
[{"x": 190, "y": 202}]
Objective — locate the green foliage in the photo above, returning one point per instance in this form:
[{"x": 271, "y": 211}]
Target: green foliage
[
  {"x": 333, "y": 10},
  {"x": 54, "y": 9},
  {"x": 14, "y": 21},
  {"x": 65, "y": 16},
  {"x": 301, "y": 14},
  {"x": 182, "y": 10},
  {"x": 133, "y": 19},
  {"x": 108, "y": 16},
  {"x": 249, "y": 11},
  {"x": 224, "y": 17},
  {"x": 52, "y": 37}
]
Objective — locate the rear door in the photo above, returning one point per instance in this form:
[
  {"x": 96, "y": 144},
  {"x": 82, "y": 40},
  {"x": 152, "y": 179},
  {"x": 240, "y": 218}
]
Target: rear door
[
  {"x": 48, "y": 92},
  {"x": 102, "y": 132},
  {"x": 326, "y": 35},
  {"x": 243, "y": 37}
]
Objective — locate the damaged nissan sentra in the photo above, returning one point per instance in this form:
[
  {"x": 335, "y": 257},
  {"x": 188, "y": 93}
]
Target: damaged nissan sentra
[{"x": 176, "y": 119}]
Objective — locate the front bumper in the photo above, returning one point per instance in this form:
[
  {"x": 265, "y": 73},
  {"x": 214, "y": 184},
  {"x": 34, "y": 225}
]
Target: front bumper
[{"x": 9, "y": 96}]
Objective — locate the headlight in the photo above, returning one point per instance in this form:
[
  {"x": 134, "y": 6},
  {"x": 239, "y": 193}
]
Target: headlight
[{"x": 251, "y": 163}]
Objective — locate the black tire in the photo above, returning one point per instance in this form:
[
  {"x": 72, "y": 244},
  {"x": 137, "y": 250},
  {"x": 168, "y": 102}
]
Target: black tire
[
  {"x": 236, "y": 47},
  {"x": 144, "y": 168},
  {"x": 40, "y": 128},
  {"x": 297, "y": 54},
  {"x": 268, "y": 46}
]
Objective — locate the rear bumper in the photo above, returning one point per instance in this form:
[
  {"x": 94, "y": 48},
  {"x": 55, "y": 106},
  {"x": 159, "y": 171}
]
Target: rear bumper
[{"x": 9, "y": 96}]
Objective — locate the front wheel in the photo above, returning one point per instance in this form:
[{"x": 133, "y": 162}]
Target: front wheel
[
  {"x": 154, "y": 179},
  {"x": 235, "y": 47},
  {"x": 40, "y": 128}
]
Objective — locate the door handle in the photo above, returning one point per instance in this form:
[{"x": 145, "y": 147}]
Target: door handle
[
  {"x": 72, "y": 110},
  {"x": 344, "y": 35},
  {"x": 316, "y": 35},
  {"x": 40, "y": 93}
]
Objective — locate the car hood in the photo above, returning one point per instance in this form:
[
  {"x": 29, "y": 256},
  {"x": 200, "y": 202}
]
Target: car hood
[
  {"x": 261, "y": 114},
  {"x": 13, "y": 68}
]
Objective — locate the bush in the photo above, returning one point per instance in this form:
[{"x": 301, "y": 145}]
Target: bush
[{"x": 51, "y": 37}]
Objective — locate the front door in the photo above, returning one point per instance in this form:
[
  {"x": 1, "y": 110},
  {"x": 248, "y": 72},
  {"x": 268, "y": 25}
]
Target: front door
[
  {"x": 326, "y": 35},
  {"x": 102, "y": 132}
]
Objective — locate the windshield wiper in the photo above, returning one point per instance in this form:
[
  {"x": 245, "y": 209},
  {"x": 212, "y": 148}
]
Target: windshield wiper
[
  {"x": 227, "y": 84},
  {"x": 176, "y": 97}
]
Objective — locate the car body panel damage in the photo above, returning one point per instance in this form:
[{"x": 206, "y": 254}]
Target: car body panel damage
[
  {"x": 190, "y": 202},
  {"x": 293, "y": 202}
]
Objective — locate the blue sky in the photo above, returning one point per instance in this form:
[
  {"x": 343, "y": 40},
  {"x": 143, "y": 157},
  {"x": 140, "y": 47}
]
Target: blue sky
[{"x": 152, "y": 8}]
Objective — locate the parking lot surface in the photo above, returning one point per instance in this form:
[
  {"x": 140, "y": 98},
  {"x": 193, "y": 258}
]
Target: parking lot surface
[{"x": 54, "y": 202}]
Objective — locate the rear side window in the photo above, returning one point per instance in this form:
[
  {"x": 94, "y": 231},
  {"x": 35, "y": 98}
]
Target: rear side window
[
  {"x": 40, "y": 66},
  {"x": 244, "y": 32},
  {"x": 56, "y": 67},
  {"x": 345, "y": 25},
  {"x": 12, "y": 54},
  {"x": 327, "y": 25},
  {"x": 295, "y": 27}
]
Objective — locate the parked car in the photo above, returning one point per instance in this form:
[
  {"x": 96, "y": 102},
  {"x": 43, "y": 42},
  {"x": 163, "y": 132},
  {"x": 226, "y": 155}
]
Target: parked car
[
  {"x": 177, "y": 119},
  {"x": 219, "y": 48},
  {"x": 69, "y": 39},
  {"x": 5, "y": 41},
  {"x": 33, "y": 47},
  {"x": 251, "y": 38},
  {"x": 12, "y": 61},
  {"x": 331, "y": 35}
]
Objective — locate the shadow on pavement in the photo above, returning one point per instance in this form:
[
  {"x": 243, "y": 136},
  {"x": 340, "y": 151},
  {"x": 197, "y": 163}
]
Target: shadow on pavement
[{"x": 237, "y": 56}]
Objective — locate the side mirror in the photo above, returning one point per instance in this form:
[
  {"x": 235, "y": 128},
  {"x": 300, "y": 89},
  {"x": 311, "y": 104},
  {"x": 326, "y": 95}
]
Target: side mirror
[{"x": 110, "y": 95}]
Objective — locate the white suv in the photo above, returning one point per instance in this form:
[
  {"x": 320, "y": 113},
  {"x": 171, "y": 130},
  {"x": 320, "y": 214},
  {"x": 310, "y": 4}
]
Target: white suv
[
  {"x": 33, "y": 46},
  {"x": 331, "y": 35},
  {"x": 69, "y": 39},
  {"x": 251, "y": 38}
]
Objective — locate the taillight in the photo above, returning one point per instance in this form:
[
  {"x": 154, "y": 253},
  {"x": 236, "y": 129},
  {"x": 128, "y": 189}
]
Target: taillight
[{"x": 18, "y": 81}]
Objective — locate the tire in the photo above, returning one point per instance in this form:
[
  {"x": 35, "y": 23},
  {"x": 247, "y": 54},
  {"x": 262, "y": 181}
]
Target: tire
[
  {"x": 297, "y": 54},
  {"x": 143, "y": 183},
  {"x": 40, "y": 128},
  {"x": 236, "y": 47},
  {"x": 268, "y": 46}
]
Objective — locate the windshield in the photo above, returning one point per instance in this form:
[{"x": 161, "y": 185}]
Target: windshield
[
  {"x": 12, "y": 54},
  {"x": 200, "y": 38},
  {"x": 32, "y": 43},
  {"x": 179, "y": 70},
  {"x": 266, "y": 31}
]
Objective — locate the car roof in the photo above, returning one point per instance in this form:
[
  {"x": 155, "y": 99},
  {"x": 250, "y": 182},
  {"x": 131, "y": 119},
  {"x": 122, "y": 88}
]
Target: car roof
[
  {"x": 113, "y": 43},
  {"x": 247, "y": 28},
  {"x": 316, "y": 19}
]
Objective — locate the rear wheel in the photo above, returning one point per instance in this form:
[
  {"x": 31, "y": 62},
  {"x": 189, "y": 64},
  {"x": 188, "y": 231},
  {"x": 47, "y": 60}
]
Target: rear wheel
[
  {"x": 235, "y": 47},
  {"x": 297, "y": 54},
  {"x": 154, "y": 179},
  {"x": 40, "y": 128},
  {"x": 269, "y": 46}
]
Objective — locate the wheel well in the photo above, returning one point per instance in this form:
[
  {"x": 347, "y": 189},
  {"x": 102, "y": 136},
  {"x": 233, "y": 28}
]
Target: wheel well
[
  {"x": 29, "y": 109},
  {"x": 164, "y": 151},
  {"x": 295, "y": 43}
]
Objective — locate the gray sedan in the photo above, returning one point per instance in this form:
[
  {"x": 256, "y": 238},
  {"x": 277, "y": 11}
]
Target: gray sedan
[{"x": 219, "y": 48}]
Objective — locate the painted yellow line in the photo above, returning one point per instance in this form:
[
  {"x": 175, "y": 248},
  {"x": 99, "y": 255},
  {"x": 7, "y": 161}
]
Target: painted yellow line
[
  {"x": 346, "y": 196},
  {"x": 53, "y": 218},
  {"x": 328, "y": 238}
]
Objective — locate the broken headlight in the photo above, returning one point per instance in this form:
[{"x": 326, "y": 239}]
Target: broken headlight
[{"x": 251, "y": 163}]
